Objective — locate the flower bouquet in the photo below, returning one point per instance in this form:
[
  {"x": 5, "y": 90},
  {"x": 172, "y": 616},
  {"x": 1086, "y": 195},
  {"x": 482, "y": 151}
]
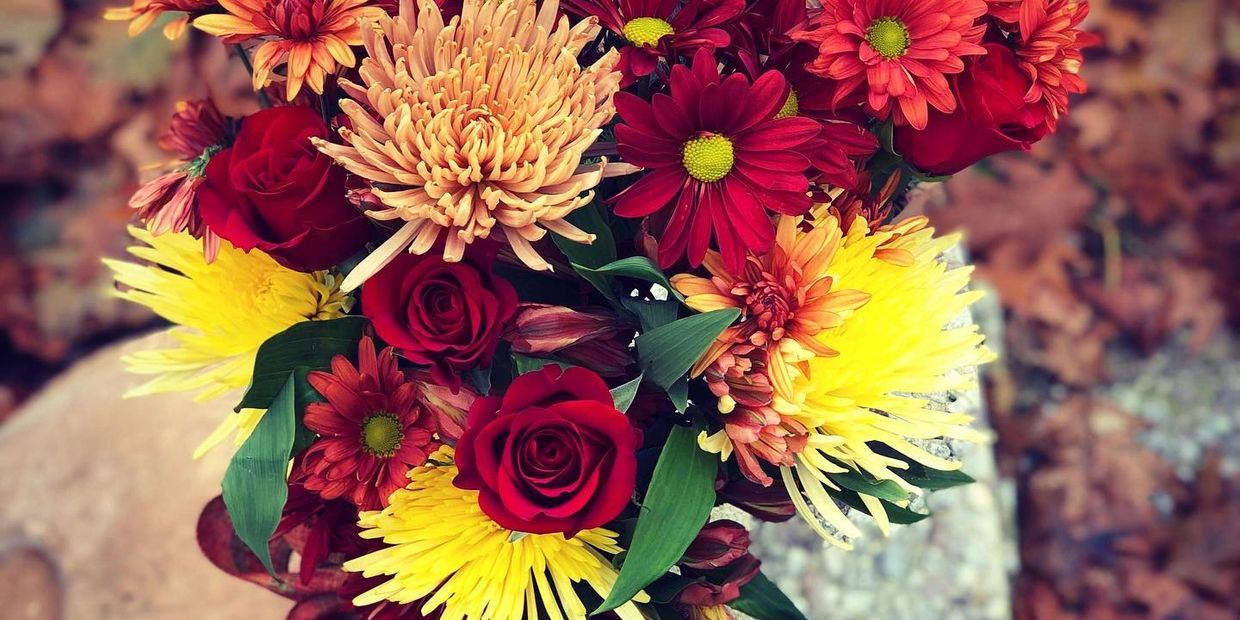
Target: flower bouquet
[{"x": 517, "y": 293}]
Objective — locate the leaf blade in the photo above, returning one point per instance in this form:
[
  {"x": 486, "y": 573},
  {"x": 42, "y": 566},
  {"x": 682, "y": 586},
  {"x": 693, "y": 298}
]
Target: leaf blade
[
  {"x": 311, "y": 344},
  {"x": 677, "y": 504},
  {"x": 254, "y": 486},
  {"x": 668, "y": 352},
  {"x": 763, "y": 600}
]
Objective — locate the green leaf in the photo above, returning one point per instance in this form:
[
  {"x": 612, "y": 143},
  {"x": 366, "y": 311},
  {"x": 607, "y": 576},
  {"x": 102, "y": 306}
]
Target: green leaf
[
  {"x": 597, "y": 254},
  {"x": 681, "y": 494},
  {"x": 303, "y": 395},
  {"x": 638, "y": 267},
  {"x": 254, "y": 484},
  {"x": 679, "y": 394},
  {"x": 525, "y": 363},
  {"x": 666, "y": 353},
  {"x": 763, "y": 600},
  {"x": 624, "y": 394},
  {"x": 895, "y": 514},
  {"x": 889, "y": 490},
  {"x": 921, "y": 476},
  {"x": 311, "y": 344},
  {"x": 603, "y": 251},
  {"x": 652, "y": 314}
]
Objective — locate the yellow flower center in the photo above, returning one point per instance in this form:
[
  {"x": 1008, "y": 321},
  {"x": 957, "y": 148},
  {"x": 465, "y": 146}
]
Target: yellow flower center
[
  {"x": 889, "y": 37},
  {"x": 792, "y": 106},
  {"x": 647, "y": 30},
  {"x": 381, "y": 434},
  {"x": 708, "y": 158}
]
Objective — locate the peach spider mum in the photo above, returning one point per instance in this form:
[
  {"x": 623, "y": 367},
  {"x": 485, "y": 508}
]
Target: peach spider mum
[
  {"x": 313, "y": 37},
  {"x": 476, "y": 125},
  {"x": 786, "y": 296}
]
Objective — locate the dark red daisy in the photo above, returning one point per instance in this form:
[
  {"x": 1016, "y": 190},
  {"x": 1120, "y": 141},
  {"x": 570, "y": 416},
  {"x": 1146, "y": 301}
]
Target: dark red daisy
[
  {"x": 659, "y": 28},
  {"x": 843, "y": 142},
  {"x": 719, "y": 159},
  {"x": 372, "y": 430}
]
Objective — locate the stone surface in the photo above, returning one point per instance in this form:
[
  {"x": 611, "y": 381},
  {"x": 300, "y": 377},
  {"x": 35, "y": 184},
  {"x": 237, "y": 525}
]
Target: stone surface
[
  {"x": 1189, "y": 398},
  {"x": 99, "y": 501}
]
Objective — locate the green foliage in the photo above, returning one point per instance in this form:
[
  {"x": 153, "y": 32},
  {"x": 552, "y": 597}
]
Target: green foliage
[
  {"x": 676, "y": 505},
  {"x": 254, "y": 485},
  {"x": 666, "y": 353},
  {"x": 763, "y": 600},
  {"x": 309, "y": 344}
]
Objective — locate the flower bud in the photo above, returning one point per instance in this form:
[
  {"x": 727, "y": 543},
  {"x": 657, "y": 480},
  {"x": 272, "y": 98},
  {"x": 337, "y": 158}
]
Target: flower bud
[
  {"x": 594, "y": 339},
  {"x": 718, "y": 544}
]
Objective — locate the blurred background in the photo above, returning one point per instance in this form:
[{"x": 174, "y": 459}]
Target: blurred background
[{"x": 1112, "y": 250}]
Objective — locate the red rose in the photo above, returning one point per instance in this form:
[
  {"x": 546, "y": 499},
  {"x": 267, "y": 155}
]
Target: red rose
[
  {"x": 553, "y": 455},
  {"x": 273, "y": 191},
  {"x": 992, "y": 117},
  {"x": 448, "y": 316}
]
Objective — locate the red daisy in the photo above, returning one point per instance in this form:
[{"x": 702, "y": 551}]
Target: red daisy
[
  {"x": 372, "y": 430},
  {"x": 900, "y": 50},
  {"x": 1049, "y": 48},
  {"x": 843, "y": 141},
  {"x": 659, "y": 28},
  {"x": 719, "y": 159}
]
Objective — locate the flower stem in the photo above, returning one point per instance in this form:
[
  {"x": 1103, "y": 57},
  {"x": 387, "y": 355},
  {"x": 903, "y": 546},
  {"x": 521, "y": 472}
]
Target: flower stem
[{"x": 245, "y": 60}]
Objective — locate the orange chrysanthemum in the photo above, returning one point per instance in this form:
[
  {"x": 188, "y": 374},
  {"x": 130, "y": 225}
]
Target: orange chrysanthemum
[
  {"x": 786, "y": 298},
  {"x": 142, "y": 13},
  {"x": 784, "y": 294},
  {"x": 1049, "y": 48},
  {"x": 312, "y": 36},
  {"x": 476, "y": 125}
]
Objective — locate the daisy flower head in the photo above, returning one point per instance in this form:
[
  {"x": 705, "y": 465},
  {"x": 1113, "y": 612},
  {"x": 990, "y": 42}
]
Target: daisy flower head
[
  {"x": 311, "y": 38},
  {"x": 899, "y": 52},
  {"x": 843, "y": 142},
  {"x": 216, "y": 343},
  {"x": 475, "y": 127},
  {"x": 656, "y": 29},
  {"x": 142, "y": 13},
  {"x": 442, "y": 552},
  {"x": 373, "y": 428},
  {"x": 905, "y": 342},
  {"x": 720, "y": 161}
]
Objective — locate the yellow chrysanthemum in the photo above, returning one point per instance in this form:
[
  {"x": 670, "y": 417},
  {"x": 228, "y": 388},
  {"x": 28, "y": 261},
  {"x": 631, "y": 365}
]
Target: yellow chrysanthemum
[
  {"x": 222, "y": 311},
  {"x": 899, "y": 346},
  {"x": 443, "y": 551},
  {"x": 475, "y": 125}
]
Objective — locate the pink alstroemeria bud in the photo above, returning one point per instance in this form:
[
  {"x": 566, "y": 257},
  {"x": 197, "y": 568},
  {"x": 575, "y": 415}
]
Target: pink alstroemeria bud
[
  {"x": 718, "y": 544},
  {"x": 595, "y": 339}
]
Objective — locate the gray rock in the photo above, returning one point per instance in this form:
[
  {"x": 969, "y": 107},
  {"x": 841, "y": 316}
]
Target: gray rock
[{"x": 99, "y": 501}]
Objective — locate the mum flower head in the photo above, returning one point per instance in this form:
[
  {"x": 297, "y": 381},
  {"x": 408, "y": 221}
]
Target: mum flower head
[
  {"x": 899, "y": 52},
  {"x": 719, "y": 159},
  {"x": 215, "y": 343},
  {"x": 312, "y": 38},
  {"x": 475, "y": 127},
  {"x": 373, "y": 428},
  {"x": 443, "y": 553},
  {"x": 905, "y": 342},
  {"x": 787, "y": 296}
]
